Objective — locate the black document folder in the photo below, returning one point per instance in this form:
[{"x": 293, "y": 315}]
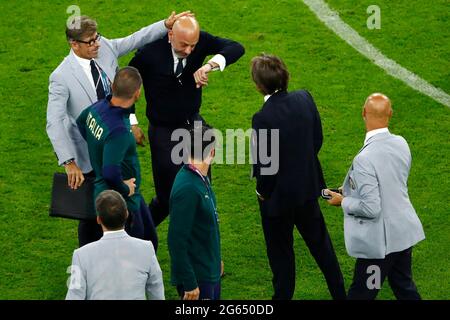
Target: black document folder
[{"x": 72, "y": 204}]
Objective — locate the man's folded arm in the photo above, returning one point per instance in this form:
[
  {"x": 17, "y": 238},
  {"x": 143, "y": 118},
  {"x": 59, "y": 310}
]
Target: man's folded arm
[
  {"x": 226, "y": 51},
  {"x": 113, "y": 154}
]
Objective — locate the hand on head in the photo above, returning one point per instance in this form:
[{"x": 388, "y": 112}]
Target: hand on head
[{"x": 174, "y": 17}]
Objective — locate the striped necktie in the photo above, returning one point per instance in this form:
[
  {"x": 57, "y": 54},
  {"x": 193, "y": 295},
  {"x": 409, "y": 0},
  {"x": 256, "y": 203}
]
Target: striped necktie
[{"x": 97, "y": 81}]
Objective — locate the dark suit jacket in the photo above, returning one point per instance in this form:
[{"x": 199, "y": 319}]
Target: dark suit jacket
[
  {"x": 299, "y": 177},
  {"x": 172, "y": 101}
]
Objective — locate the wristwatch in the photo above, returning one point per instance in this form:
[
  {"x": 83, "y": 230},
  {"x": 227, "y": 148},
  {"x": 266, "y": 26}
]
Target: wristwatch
[
  {"x": 68, "y": 161},
  {"x": 213, "y": 68}
]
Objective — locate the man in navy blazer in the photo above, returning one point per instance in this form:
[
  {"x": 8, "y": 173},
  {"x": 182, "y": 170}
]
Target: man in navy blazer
[
  {"x": 288, "y": 197},
  {"x": 173, "y": 76}
]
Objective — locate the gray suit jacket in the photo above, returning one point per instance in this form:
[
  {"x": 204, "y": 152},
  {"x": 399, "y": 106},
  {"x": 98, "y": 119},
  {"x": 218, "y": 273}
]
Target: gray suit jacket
[
  {"x": 116, "y": 267},
  {"x": 378, "y": 215},
  {"x": 70, "y": 93}
]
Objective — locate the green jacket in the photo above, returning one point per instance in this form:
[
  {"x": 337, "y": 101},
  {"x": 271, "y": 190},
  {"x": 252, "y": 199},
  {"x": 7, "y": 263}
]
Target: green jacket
[
  {"x": 112, "y": 149},
  {"x": 193, "y": 237}
]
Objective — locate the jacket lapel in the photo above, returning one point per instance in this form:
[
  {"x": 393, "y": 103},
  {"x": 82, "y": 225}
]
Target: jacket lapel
[
  {"x": 168, "y": 56},
  {"x": 81, "y": 77}
]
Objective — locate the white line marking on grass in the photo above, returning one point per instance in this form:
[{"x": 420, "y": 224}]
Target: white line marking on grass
[{"x": 331, "y": 19}]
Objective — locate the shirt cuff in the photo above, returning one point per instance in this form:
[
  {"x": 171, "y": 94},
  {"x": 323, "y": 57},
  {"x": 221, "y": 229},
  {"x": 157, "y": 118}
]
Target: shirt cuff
[
  {"x": 133, "y": 119},
  {"x": 220, "y": 60}
]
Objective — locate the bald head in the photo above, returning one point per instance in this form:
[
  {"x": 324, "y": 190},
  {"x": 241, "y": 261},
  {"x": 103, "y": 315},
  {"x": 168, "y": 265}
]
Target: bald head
[
  {"x": 377, "y": 111},
  {"x": 184, "y": 36},
  {"x": 186, "y": 25}
]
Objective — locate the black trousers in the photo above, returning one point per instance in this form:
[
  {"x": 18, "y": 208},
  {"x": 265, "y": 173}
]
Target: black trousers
[
  {"x": 278, "y": 234},
  {"x": 140, "y": 225},
  {"x": 395, "y": 266},
  {"x": 88, "y": 230},
  {"x": 163, "y": 168}
]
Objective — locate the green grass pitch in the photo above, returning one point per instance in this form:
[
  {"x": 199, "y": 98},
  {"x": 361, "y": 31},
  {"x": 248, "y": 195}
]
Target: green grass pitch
[{"x": 36, "y": 250}]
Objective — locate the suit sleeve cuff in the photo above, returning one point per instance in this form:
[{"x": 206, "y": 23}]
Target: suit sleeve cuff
[
  {"x": 220, "y": 60},
  {"x": 190, "y": 285},
  {"x": 133, "y": 119}
]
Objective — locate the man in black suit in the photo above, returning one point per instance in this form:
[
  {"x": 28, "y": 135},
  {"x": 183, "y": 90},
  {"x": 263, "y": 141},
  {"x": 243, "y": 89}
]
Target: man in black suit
[
  {"x": 173, "y": 76},
  {"x": 288, "y": 197}
]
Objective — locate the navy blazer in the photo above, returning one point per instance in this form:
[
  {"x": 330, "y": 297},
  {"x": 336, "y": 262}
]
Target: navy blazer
[
  {"x": 172, "y": 101},
  {"x": 299, "y": 177}
]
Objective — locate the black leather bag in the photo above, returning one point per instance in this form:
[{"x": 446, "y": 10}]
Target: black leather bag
[{"x": 72, "y": 204}]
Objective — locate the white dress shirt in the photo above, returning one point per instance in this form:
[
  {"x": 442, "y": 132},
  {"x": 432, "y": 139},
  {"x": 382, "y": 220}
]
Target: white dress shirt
[{"x": 86, "y": 66}]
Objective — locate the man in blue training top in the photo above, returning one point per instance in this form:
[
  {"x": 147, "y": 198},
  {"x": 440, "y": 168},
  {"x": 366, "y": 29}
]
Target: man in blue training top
[{"x": 112, "y": 150}]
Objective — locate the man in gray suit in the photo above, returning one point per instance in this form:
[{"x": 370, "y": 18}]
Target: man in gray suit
[
  {"x": 116, "y": 267},
  {"x": 380, "y": 223},
  {"x": 82, "y": 78}
]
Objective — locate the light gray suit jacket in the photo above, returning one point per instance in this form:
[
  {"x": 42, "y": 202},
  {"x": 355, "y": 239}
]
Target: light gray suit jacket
[
  {"x": 116, "y": 267},
  {"x": 70, "y": 93},
  {"x": 378, "y": 215}
]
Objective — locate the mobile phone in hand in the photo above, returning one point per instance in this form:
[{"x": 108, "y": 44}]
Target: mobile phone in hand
[{"x": 327, "y": 196}]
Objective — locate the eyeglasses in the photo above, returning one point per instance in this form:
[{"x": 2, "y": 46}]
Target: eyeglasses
[{"x": 91, "y": 42}]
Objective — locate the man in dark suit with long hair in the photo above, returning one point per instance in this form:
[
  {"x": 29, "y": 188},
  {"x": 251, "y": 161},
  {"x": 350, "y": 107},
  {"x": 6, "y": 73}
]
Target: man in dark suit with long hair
[{"x": 288, "y": 196}]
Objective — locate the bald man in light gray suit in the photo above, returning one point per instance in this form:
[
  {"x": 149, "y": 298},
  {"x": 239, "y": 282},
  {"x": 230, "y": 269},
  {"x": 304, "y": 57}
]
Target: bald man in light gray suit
[
  {"x": 116, "y": 267},
  {"x": 81, "y": 79},
  {"x": 380, "y": 223}
]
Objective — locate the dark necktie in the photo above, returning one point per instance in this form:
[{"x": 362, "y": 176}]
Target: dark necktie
[
  {"x": 179, "y": 69},
  {"x": 97, "y": 81}
]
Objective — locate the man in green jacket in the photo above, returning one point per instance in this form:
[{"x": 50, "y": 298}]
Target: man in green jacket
[
  {"x": 112, "y": 150},
  {"x": 193, "y": 237}
]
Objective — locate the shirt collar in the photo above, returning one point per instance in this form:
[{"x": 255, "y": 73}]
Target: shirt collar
[
  {"x": 371, "y": 133},
  {"x": 113, "y": 232},
  {"x": 175, "y": 57},
  {"x": 85, "y": 63},
  {"x": 266, "y": 97}
]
